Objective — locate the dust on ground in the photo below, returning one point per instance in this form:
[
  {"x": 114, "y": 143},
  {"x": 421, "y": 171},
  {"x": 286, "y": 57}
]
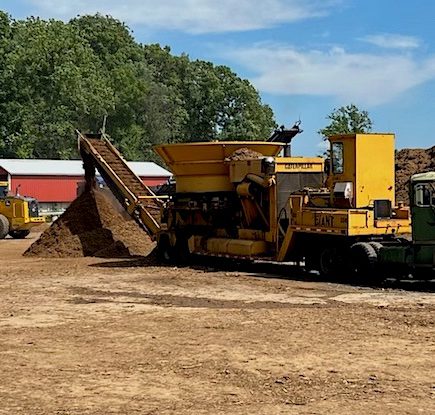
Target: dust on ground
[{"x": 98, "y": 336}]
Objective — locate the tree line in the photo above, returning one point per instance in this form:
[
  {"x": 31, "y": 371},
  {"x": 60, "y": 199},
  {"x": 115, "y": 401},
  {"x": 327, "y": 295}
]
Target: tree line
[{"x": 56, "y": 77}]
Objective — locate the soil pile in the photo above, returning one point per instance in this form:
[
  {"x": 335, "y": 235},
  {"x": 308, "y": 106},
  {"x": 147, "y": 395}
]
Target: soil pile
[
  {"x": 93, "y": 225},
  {"x": 410, "y": 161},
  {"x": 244, "y": 153}
]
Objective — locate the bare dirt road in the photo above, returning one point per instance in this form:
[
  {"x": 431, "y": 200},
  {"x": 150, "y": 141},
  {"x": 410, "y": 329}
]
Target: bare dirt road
[{"x": 93, "y": 336}]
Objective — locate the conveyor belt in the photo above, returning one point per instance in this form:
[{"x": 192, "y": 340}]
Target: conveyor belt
[{"x": 138, "y": 199}]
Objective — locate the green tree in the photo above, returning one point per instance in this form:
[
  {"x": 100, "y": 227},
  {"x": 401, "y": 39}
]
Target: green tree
[
  {"x": 56, "y": 77},
  {"x": 51, "y": 85},
  {"x": 345, "y": 120},
  {"x": 215, "y": 104}
]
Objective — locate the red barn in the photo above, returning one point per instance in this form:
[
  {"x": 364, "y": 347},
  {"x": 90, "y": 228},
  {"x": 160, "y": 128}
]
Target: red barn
[{"x": 54, "y": 183}]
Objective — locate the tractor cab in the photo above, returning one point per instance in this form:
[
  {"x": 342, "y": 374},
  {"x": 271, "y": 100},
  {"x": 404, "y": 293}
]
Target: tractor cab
[
  {"x": 416, "y": 257},
  {"x": 422, "y": 199}
]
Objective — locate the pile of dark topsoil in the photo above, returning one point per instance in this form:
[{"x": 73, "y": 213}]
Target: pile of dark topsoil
[
  {"x": 244, "y": 153},
  {"x": 93, "y": 225},
  {"x": 410, "y": 161}
]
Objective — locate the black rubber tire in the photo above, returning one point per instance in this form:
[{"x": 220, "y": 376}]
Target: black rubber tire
[
  {"x": 364, "y": 260},
  {"x": 327, "y": 262},
  {"x": 312, "y": 262},
  {"x": 4, "y": 226},
  {"x": 174, "y": 255},
  {"x": 376, "y": 246},
  {"x": 165, "y": 252},
  {"x": 182, "y": 253},
  {"x": 19, "y": 234}
]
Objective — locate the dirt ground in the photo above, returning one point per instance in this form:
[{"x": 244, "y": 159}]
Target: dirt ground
[{"x": 99, "y": 336}]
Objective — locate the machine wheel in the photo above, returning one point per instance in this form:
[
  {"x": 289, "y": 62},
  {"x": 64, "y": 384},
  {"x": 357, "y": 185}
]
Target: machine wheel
[
  {"x": 312, "y": 262},
  {"x": 177, "y": 254},
  {"x": 327, "y": 262},
  {"x": 165, "y": 252},
  {"x": 364, "y": 259},
  {"x": 19, "y": 234},
  {"x": 182, "y": 253},
  {"x": 4, "y": 226},
  {"x": 376, "y": 246}
]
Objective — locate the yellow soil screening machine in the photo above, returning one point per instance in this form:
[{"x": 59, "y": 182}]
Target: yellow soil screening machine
[
  {"x": 243, "y": 199},
  {"x": 278, "y": 208}
]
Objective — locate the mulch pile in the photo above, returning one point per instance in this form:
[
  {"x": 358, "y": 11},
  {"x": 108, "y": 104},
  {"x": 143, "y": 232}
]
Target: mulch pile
[
  {"x": 410, "y": 161},
  {"x": 93, "y": 225},
  {"x": 244, "y": 153}
]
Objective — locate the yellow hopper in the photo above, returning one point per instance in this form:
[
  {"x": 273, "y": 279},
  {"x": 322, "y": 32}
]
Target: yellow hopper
[{"x": 201, "y": 167}]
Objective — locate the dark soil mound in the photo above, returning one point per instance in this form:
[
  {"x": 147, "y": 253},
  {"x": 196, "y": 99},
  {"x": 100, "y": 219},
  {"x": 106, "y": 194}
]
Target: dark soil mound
[
  {"x": 93, "y": 225},
  {"x": 410, "y": 161}
]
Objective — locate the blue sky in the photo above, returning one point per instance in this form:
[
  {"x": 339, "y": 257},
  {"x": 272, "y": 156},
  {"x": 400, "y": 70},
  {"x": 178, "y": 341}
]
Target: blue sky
[{"x": 305, "y": 57}]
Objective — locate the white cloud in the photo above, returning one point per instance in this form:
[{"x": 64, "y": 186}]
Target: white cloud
[
  {"x": 350, "y": 77},
  {"x": 193, "y": 16},
  {"x": 392, "y": 41}
]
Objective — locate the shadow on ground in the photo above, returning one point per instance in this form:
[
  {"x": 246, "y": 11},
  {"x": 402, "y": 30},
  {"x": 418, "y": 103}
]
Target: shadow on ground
[{"x": 264, "y": 269}]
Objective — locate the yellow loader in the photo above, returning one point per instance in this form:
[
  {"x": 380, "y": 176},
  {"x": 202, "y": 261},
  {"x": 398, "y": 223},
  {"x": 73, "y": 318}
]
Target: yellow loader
[{"x": 18, "y": 214}]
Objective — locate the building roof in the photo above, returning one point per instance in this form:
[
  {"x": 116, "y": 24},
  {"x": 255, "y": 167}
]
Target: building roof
[{"x": 38, "y": 167}]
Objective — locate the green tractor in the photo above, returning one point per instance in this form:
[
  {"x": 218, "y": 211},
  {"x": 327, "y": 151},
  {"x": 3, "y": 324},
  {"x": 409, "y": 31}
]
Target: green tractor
[{"x": 416, "y": 256}]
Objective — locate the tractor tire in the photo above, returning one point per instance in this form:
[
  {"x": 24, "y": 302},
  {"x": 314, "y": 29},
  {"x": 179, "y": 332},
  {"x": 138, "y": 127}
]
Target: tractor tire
[
  {"x": 173, "y": 254},
  {"x": 19, "y": 234},
  {"x": 327, "y": 262},
  {"x": 4, "y": 226},
  {"x": 364, "y": 260},
  {"x": 312, "y": 262},
  {"x": 165, "y": 252},
  {"x": 182, "y": 253},
  {"x": 376, "y": 246}
]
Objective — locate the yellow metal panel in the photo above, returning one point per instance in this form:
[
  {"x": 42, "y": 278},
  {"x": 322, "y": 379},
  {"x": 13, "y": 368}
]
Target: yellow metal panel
[
  {"x": 217, "y": 245},
  {"x": 321, "y": 219},
  {"x": 240, "y": 168},
  {"x": 360, "y": 219},
  {"x": 351, "y": 222},
  {"x": 239, "y": 247},
  {"x": 369, "y": 165},
  {"x": 244, "y": 247},
  {"x": 287, "y": 244},
  {"x": 375, "y": 169},
  {"x": 299, "y": 164}
]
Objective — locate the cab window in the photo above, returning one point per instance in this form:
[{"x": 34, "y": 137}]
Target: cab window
[
  {"x": 424, "y": 194},
  {"x": 337, "y": 158}
]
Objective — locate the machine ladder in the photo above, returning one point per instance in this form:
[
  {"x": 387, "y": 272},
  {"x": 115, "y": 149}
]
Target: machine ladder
[{"x": 137, "y": 198}]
